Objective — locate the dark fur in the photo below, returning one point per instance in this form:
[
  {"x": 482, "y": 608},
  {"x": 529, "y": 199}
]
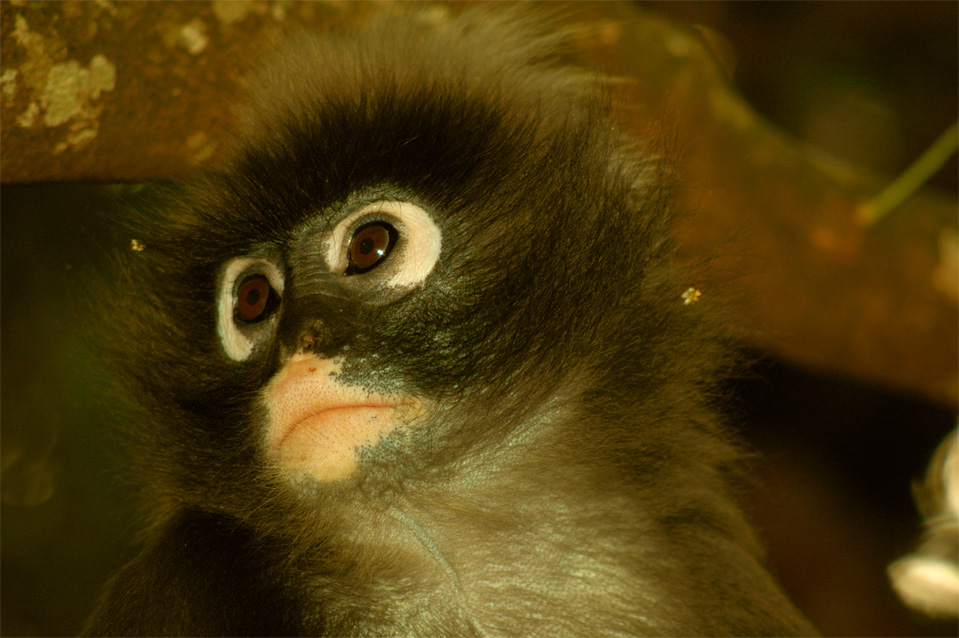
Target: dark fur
[{"x": 574, "y": 479}]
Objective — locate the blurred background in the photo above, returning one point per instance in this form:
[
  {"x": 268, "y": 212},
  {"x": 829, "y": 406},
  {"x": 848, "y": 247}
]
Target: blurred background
[{"x": 872, "y": 83}]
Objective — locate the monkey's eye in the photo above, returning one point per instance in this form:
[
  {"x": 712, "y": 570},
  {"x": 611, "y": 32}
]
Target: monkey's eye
[
  {"x": 396, "y": 244},
  {"x": 370, "y": 245},
  {"x": 248, "y": 303},
  {"x": 255, "y": 299}
]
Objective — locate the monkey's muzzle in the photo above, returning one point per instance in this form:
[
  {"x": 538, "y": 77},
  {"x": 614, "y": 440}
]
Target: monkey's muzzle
[{"x": 318, "y": 424}]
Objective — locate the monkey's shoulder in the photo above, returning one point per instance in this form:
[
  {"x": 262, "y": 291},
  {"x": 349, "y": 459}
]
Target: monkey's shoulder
[{"x": 200, "y": 574}]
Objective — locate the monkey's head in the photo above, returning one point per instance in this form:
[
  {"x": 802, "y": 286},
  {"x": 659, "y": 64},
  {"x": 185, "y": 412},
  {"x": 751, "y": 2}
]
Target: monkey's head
[{"x": 427, "y": 244}]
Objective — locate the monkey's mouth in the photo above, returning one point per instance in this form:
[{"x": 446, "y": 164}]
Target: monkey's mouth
[{"x": 317, "y": 425}]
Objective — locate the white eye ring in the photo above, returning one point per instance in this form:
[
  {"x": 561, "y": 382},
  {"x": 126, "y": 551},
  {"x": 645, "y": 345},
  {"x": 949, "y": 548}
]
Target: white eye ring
[
  {"x": 238, "y": 344},
  {"x": 415, "y": 254}
]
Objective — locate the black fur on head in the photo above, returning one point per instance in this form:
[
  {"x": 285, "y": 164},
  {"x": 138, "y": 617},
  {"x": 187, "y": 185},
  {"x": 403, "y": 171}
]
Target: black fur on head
[{"x": 570, "y": 437}]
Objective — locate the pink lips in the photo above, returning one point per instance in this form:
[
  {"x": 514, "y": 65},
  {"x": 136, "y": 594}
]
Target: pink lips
[
  {"x": 317, "y": 424},
  {"x": 330, "y": 414}
]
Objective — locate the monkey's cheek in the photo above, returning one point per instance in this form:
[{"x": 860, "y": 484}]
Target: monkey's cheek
[{"x": 324, "y": 446}]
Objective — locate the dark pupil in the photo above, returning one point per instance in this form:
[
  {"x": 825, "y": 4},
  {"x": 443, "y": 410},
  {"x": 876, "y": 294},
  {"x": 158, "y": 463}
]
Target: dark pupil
[
  {"x": 366, "y": 247},
  {"x": 253, "y": 296}
]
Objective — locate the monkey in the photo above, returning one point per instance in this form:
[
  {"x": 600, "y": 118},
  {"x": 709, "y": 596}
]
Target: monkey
[{"x": 412, "y": 359}]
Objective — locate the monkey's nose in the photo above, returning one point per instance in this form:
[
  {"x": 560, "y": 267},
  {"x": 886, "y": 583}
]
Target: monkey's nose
[{"x": 317, "y": 338}]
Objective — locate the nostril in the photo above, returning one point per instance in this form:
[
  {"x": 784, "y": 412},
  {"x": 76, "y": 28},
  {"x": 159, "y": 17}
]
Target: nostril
[
  {"x": 317, "y": 338},
  {"x": 309, "y": 342}
]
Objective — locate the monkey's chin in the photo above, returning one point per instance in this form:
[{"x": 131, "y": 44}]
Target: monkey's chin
[{"x": 318, "y": 425}]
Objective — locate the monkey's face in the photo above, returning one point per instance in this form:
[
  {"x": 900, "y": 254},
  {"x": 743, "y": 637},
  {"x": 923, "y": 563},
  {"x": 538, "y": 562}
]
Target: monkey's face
[
  {"x": 315, "y": 309},
  {"x": 376, "y": 326},
  {"x": 387, "y": 273}
]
